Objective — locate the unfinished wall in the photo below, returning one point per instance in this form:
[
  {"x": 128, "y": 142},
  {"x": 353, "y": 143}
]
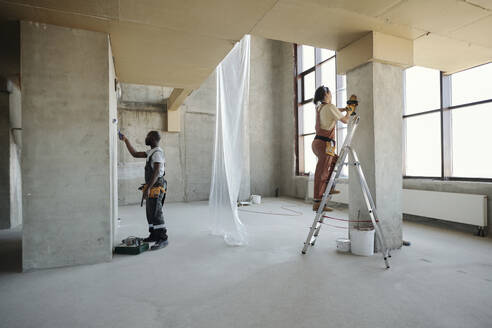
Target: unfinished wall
[
  {"x": 264, "y": 116},
  {"x": 135, "y": 121},
  {"x": 66, "y": 146},
  {"x": 290, "y": 184},
  {"x": 189, "y": 154}
]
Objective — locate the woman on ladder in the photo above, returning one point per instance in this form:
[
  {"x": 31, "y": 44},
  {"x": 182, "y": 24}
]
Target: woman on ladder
[{"x": 323, "y": 145}]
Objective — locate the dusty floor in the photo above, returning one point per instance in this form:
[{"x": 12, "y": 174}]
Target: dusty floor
[{"x": 443, "y": 280}]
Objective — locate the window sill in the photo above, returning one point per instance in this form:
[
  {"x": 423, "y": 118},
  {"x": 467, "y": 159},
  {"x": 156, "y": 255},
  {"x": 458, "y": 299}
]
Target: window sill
[{"x": 453, "y": 179}]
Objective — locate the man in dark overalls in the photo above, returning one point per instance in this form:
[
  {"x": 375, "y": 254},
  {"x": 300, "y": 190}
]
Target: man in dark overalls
[{"x": 154, "y": 190}]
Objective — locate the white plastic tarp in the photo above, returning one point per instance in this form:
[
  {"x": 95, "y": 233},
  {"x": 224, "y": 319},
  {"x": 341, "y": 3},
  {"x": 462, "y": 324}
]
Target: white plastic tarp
[{"x": 232, "y": 104}]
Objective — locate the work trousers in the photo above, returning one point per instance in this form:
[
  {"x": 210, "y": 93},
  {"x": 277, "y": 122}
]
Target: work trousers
[
  {"x": 324, "y": 168},
  {"x": 155, "y": 216}
]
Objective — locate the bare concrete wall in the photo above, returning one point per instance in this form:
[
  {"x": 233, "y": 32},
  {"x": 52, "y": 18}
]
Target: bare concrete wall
[
  {"x": 264, "y": 116},
  {"x": 198, "y": 125},
  {"x": 66, "y": 146},
  {"x": 135, "y": 123},
  {"x": 290, "y": 184},
  {"x": 189, "y": 153}
]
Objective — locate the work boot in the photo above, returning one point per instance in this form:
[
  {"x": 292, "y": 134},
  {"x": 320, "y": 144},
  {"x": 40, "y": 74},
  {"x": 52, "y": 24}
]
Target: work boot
[
  {"x": 161, "y": 243},
  {"x": 316, "y": 207},
  {"x": 150, "y": 239}
]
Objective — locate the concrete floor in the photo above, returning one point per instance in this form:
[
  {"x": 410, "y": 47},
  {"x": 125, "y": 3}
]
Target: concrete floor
[{"x": 443, "y": 280}]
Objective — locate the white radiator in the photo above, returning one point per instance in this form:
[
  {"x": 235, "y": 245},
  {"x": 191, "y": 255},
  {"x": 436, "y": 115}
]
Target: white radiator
[{"x": 448, "y": 206}]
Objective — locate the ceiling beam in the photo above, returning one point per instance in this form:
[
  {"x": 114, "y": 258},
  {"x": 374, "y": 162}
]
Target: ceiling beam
[{"x": 175, "y": 100}]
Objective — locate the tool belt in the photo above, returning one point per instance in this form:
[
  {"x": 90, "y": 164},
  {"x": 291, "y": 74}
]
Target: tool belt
[
  {"x": 330, "y": 145},
  {"x": 154, "y": 191},
  {"x": 324, "y": 138},
  {"x": 330, "y": 149}
]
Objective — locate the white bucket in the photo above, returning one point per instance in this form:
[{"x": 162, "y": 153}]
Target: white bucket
[
  {"x": 343, "y": 245},
  {"x": 362, "y": 242},
  {"x": 256, "y": 199}
]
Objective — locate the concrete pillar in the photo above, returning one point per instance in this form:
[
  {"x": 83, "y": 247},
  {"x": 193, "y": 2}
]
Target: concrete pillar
[
  {"x": 67, "y": 150},
  {"x": 378, "y": 143}
]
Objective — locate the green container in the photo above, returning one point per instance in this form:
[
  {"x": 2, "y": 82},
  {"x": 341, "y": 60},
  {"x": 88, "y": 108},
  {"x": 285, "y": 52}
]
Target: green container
[{"x": 131, "y": 250}]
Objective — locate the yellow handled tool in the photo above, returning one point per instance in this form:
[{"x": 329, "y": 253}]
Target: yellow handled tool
[{"x": 154, "y": 192}]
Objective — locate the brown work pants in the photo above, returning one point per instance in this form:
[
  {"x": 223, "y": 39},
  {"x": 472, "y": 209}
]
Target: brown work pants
[{"x": 324, "y": 168}]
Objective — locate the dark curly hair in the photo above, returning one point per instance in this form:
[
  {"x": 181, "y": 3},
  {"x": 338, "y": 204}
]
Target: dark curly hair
[{"x": 319, "y": 95}]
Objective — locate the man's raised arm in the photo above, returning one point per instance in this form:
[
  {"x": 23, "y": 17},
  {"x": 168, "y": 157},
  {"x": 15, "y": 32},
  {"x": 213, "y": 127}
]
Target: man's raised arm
[{"x": 136, "y": 154}]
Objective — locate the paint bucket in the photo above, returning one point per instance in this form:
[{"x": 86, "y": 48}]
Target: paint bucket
[
  {"x": 362, "y": 242},
  {"x": 256, "y": 199},
  {"x": 343, "y": 245}
]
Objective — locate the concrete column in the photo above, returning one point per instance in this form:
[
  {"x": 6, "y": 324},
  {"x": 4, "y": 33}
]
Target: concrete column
[
  {"x": 378, "y": 143},
  {"x": 67, "y": 149}
]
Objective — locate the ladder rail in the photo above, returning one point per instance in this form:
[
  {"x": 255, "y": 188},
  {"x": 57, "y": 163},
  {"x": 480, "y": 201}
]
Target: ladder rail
[
  {"x": 370, "y": 206},
  {"x": 347, "y": 150},
  {"x": 318, "y": 219}
]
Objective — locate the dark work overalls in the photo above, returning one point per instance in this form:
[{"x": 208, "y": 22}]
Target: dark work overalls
[{"x": 153, "y": 206}]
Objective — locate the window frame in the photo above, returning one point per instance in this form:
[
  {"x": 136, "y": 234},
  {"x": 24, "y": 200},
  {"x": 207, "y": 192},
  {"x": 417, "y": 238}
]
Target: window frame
[
  {"x": 300, "y": 100},
  {"x": 446, "y": 133}
]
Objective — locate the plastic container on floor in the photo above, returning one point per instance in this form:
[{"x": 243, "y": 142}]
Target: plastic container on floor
[
  {"x": 362, "y": 242},
  {"x": 343, "y": 245},
  {"x": 256, "y": 199}
]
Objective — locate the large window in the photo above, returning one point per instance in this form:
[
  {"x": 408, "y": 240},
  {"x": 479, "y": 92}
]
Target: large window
[
  {"x": 447, "y": 123},
  {"x": 314, "y": 67}
]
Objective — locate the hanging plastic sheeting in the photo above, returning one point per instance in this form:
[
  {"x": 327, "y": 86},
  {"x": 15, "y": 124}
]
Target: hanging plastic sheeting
[{"x": 232, "y": 104}]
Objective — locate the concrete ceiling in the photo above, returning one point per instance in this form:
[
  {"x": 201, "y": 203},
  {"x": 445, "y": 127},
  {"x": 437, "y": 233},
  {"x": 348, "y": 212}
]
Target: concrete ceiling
[{"x": 178, "y": 43}]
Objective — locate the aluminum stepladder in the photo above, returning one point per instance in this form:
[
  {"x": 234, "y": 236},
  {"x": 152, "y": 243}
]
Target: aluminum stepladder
[{"x": 318, "y": 220}]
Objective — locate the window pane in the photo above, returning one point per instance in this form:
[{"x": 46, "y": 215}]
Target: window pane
[
  {"x": 341, "y": 134},
  {"x": 310, "y": 159},
  {"x": 307, "y": 58},
  {"x": 328, "y": 77},
  {"x": 326, "y": 53},
  {"x": 471, "y": 135},
  {"x": 422, "y": 90},
  {"x": 423, "y": 145},
  {"x": 309, "y": 86},
  {"x": 341, "y": 90},
  {"x": 471, "y": 85},
  {"x": 308, "y": 113}
]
